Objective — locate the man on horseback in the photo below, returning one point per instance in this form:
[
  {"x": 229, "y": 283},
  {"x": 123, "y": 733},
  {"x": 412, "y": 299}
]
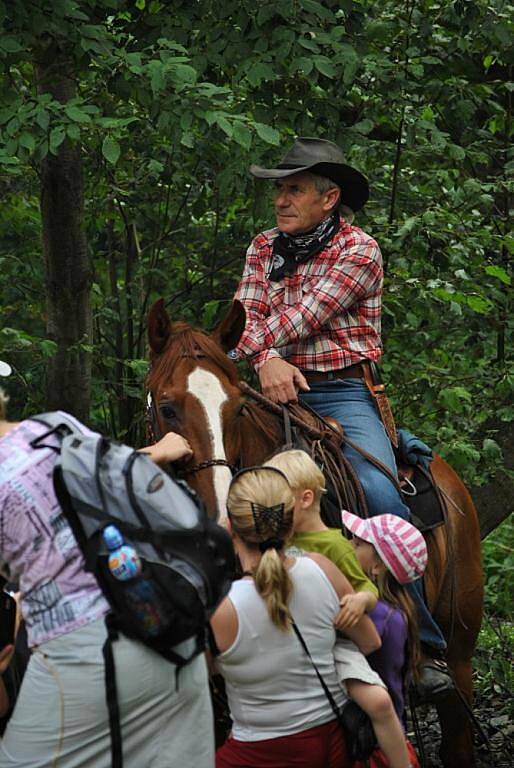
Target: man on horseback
[{"x": 312, "y": 290}]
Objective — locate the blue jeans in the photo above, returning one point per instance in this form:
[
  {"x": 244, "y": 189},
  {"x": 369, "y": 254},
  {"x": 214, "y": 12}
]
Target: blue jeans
[{"x": 349, "y": 401}]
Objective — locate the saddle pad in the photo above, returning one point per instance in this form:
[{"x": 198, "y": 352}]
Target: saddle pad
[{"x": 425, "y": 505}]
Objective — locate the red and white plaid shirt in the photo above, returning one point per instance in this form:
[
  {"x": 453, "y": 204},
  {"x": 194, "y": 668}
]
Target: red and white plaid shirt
[{"x": 325, "y": 316}]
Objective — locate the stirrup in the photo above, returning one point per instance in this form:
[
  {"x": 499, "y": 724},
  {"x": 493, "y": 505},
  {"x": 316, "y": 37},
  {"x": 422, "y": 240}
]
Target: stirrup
[{"x": 435, "y": 683}]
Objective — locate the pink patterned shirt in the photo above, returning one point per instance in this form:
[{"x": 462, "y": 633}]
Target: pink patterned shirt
[
  {"x": 37, "y": 546},
  {"x": 323, "y": 317}
]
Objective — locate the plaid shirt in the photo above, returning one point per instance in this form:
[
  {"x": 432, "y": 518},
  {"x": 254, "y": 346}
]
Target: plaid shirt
[{"x": 325, "y": 316}]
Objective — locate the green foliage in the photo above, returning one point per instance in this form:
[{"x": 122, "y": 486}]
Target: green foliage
[
  {"x": 494, "y": 662},
  {"x": 498, "y": 559},
  {"x": 171, "y": 107}
]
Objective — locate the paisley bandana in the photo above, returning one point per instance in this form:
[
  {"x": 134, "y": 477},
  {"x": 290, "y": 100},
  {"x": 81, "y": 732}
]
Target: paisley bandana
[{"x": 291, "y": 250}]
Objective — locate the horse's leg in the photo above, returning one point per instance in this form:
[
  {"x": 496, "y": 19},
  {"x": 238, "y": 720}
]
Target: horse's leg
[{"x": 456, "y": 749}]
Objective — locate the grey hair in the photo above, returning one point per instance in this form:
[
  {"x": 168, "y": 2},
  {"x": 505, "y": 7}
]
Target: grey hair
[
  {"x": 3, "y": 403},
  {"x": 322, "y": 185}
]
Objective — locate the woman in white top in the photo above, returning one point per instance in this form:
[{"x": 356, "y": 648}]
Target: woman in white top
[{"x": 281, "y": 715}]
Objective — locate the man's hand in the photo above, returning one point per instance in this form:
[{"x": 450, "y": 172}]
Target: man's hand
[
  {"x": 171, "y": 447},
  {"x": 280, "y": 380}
]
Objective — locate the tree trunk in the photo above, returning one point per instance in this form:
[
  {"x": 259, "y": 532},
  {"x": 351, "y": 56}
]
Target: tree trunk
[
  {"x": 495, "y": 500},
  {"x": 68, "y": 267}
]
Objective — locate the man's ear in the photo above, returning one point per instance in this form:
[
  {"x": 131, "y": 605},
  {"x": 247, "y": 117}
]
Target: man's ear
[{"x": 331, "y": 198}]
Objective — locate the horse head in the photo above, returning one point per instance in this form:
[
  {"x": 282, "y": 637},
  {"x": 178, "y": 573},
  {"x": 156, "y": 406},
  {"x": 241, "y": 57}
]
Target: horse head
[{"x": 193, "y": 390}]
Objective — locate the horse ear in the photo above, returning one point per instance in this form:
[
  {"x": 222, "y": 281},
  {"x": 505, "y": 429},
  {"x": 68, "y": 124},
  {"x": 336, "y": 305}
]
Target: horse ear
[
  {"x": 159, "y": 326},
  {"x": 230, "y": 330}
]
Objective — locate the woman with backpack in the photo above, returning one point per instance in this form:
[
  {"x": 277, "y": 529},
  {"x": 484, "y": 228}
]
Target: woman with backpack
[
  {"x": 61, "y": 715},
  {"x": 281, "y": 714}
]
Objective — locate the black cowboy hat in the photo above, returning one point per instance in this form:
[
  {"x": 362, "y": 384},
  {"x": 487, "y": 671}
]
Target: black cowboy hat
[{"x": 326, "y": 159}]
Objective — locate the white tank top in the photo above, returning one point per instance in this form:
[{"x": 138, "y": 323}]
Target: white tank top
[{"x": 271, "y": 686}]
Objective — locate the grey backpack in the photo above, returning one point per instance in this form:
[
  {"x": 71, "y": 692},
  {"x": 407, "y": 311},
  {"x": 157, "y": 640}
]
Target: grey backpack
[{"x": 187, "y": 559}]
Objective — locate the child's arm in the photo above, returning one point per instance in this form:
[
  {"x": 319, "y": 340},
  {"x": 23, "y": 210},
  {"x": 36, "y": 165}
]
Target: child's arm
[
  {"x": 353, "y": 607},
  {"x": 363, "y": 634}
]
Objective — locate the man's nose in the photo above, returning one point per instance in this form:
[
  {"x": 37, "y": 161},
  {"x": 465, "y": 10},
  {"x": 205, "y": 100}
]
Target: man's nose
[{"x": 281, "y": 199}]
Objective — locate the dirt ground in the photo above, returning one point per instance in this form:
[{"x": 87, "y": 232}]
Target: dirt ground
[{"x": 492, "y": 712}]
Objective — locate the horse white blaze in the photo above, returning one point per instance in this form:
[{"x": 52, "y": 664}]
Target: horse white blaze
[{"x": 207, "y": 389}]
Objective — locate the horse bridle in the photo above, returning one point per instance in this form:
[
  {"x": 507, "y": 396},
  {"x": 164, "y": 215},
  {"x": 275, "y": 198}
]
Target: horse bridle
[{"x": 154, "y": 432}]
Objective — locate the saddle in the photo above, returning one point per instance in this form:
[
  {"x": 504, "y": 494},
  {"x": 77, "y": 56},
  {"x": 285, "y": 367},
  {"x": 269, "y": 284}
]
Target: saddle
[{"x": 323, "y": 439}]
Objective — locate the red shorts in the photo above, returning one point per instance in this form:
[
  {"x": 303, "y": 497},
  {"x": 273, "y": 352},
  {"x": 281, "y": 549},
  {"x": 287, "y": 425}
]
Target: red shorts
[
  {"x": 320, "y": 747},
  {"x": 379, "y": 760}
]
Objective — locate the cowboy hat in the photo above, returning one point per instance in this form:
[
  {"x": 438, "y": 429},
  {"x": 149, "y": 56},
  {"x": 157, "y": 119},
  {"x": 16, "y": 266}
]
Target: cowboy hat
[
  {"x": 5, "y": 369},
  {"x": 326, "y": 159}
]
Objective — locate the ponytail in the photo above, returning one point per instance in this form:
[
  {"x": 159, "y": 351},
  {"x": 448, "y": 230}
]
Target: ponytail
[
  {"x": 260, "y": 506},
  {"x": 274, "y": 585}
]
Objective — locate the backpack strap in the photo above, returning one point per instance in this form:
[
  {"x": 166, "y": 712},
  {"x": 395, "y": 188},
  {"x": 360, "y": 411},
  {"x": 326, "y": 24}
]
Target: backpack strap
[
  {"x": 57, "y": 423},
  {"x": 112, "y": 694}
]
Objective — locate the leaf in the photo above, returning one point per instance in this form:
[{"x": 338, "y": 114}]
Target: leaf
[
  {"x": 183, "y": 73},
  {"x": 57, "y": 136},
  {"x": 364, "y": 126},
  {"x": 43, "y": 119},
  {"x": 302, "y": 64},
  {"x": 454, "y": 398},
  {"x": 479, "y": 304},
  {"x": 27, "y": 140},
  {"x": 317, "y": 9},
  {"x": 242, "y": 135},
  {"x": 306, "y": 42},
  {"x": 492, "y": 450},
  {"x": 456, "y": 152},
  {"x": 224, "y": 124},
  {"x": 500, "y": 273},
  {"x": 10, "y": 45},
  {"x": 267, "y": 133},
  {"x": 76, "y": 114},
  {"x": 48, "y": 347},
  {"x": 324, "y": 66},
  {"x": 111, "y": 150}
]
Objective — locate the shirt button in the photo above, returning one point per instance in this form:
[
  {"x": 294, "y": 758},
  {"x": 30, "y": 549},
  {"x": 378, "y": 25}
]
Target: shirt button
[{"x": 232, "y": 354}]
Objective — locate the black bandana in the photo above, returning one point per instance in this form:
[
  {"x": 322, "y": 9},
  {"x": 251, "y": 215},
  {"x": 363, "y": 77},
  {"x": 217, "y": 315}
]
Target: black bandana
[{"x": 289, "y": 250}]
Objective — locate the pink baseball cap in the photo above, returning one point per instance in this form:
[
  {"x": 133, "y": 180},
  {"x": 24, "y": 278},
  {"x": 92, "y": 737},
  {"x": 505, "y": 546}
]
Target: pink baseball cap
[{"x": 400, "y": 545}]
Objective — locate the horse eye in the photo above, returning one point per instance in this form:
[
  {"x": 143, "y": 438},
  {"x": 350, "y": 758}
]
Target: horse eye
[{"x": 167, "y": 411}]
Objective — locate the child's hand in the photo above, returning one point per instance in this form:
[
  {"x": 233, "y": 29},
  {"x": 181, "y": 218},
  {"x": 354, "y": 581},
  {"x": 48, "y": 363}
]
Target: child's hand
[{"x": 353, "y": 608}]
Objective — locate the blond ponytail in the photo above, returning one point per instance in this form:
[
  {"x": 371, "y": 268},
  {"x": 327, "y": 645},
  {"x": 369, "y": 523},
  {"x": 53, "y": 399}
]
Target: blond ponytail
[
  {"x": 274, "y": 585},
  {"x": 260, "y": 505}
]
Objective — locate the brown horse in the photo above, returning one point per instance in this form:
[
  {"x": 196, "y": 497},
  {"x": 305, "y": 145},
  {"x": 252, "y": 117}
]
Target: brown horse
[{"x": 194, "y": 390}]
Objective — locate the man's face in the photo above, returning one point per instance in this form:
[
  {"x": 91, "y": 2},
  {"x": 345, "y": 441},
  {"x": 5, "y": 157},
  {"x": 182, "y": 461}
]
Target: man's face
[{"x": 299, "y": 207}]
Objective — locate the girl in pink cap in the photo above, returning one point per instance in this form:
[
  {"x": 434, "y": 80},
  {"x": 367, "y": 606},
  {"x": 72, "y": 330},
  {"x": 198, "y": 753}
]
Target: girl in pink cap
[{"x": 392, "y": 552}]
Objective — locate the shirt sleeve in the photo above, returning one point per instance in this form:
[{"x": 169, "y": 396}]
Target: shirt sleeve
[
  {"x": 252, "y": 292},
  {"x": 357, "y": 274},
  {"x": 350, "y": 566}
]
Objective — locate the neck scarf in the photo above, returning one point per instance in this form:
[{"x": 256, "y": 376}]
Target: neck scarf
[{"x": 291, "y": 250}]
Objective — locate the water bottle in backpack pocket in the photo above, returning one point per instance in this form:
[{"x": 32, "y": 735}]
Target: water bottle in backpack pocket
[{"x": 125, "y": 565}]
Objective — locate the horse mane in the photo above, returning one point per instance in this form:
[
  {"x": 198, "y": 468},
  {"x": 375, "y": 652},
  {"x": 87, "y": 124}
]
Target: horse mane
[{"x": 187, "y": 341}]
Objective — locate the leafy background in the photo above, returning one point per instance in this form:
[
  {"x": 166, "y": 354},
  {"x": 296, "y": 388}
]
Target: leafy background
[{"x": 171, "y": 101}]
